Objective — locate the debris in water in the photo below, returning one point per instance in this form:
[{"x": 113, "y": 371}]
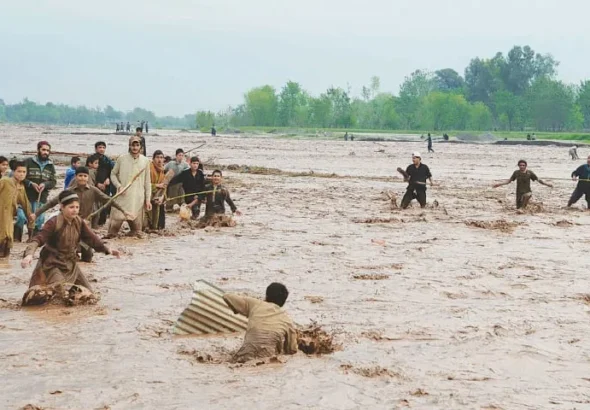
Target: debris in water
[
  {"x": 60, "y": 293},
  {"x": 585, "y": 298},
  {"x": 375, "y": 220},
  {"x": 371, "y": 276},
  {"x": 419, "y": 392},
  {"x": 379, "y": 242},
  {"x": 564, "y": 223},
  {"x": 500, "y": 225},
  {"x": 31, "y": 407},
  {"x": 313, "y": 340},
  {"x": 373, "y": 371},
  {"x": 314, "y": 299}
]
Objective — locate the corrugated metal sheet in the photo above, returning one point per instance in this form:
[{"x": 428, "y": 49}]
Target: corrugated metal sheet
[{"x": 208, "y": 313}]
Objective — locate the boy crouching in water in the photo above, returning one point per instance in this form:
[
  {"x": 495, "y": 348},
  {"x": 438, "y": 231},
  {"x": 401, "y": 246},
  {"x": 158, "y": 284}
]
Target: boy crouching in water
[{"x": 59, "y": 239}]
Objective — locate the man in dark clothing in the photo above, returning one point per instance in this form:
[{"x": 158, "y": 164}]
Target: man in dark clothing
[
  {"x": 40, "y": 180},
  {"x": 103, "y": 176},
  {"x": 582, "y": 175},
  {"x": 138, "y": 132},
  {"x": 193, "y": 181},
  {"x": 213, "y": 131},
  {"x": 430, "y": 143},
  {"x": 218, "y": 197},
  {"x": 117, "y": 130},
  {"x": 147, "y": 128},
  {"x": 523, "y": 178},
  {"x": 417, "y": 174},
  {"x": 128, "y": 127}
]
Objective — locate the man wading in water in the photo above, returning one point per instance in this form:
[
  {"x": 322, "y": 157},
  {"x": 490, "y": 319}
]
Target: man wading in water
[
  {"x": 270, "y": 330},
  {"x": 60, "y": 238},
  {"x": 416, "y": 175},
  {"x": 583, "y": 188},
  {"x": 523, "y": 178}
]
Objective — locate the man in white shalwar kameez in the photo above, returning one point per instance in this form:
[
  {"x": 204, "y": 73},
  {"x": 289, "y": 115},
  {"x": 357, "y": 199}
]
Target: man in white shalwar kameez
[{"x": 138, "y": 195}]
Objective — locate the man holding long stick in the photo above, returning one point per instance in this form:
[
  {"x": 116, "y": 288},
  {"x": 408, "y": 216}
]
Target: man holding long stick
[
  {"x": 416, "y": 176},
  {"x": 131, "y": 178}
]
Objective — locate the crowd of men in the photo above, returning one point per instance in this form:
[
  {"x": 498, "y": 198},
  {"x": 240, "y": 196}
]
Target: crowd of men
[{"x": 122, "y": 127}]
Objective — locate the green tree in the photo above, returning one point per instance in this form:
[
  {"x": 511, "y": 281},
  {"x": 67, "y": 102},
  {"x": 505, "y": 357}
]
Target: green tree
[
  {"x": 551, "y": 104},
  {"x": 292, "y": 105},
  {"x": 583, "y": 102},
  {"x": 522, "y": 66},
  {"x": 412, "y": 92},
  {"x": 261, "y": 103},
  {"x": 205, "y": 119},
  {"x": 480, "y": 117},
  {"x": 509, "y": 108},
  {"x": 448, "y": 79}
]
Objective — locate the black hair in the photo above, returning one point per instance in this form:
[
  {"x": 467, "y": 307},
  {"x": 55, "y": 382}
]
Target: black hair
[
  {"x": 157, "y": 152},
  {"x": 179, "y": 151},
  {"x": 138, "y": 129},
  {"x": 3, "y": 159},
  {"x": 66, "y": 193},
  {"x": 195, "y": 159},
  {"x": 82, "y": 170},
  {"x": 100, "y": 144},
  {"x": 74, "y": 160},
  {"x": 14, "y": 164},
  {"x": 522, "y": 161},
  {"x": 167, "y": 159},
  {"x": 276, "y": 293},
  {"x": 92, "y": 158},
  {"x": 217, "y": 171}
]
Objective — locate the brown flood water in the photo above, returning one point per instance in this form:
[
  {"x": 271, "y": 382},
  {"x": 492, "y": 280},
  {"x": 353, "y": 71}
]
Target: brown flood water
[{"x": 434, "y": 308}]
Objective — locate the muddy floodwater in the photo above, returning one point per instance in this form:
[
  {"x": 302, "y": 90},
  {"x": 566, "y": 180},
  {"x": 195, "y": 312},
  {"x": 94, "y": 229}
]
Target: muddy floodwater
[{"x": 467, "y": 304}]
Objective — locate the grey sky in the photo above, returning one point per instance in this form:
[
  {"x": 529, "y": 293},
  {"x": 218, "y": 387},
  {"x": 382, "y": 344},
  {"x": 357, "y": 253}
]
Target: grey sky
[{"x": 177, "y": 56}]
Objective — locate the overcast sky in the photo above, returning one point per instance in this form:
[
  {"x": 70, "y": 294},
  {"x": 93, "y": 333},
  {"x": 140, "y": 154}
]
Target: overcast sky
[{"x": 179, "y": 56}]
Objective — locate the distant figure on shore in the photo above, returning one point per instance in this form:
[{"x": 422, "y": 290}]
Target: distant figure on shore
[
  {"x": 128, "y": 128},
  {"x": 528, "y": 137},
  {"x": 141, "y": 125},
  {"x": 446, "y": 137},
  {"x": 346, "y": 136},
  {"x": 213, "y": 131},
  {"x": 430, "y": 143},
  {"x": 351, "y": 137},
  {"x": 574, "y": 152},
  {"x": 147, "y": 128},
  {"x": 117, "y": 130}
]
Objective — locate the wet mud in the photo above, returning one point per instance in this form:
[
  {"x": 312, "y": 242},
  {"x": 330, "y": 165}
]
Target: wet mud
[{"x": 482, "y": 307}]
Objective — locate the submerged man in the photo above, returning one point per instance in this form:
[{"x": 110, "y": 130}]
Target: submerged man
[
  {"x": 417, "y": 174},
  {"x": 218, "y": 196},
  {"x": 59, "y": 239},
  {"x": 12, "y": 196},
  {"x": 582, "y": 175},
  {"x": 270, "y": 330},
  {"x": 523, "y": 178}
]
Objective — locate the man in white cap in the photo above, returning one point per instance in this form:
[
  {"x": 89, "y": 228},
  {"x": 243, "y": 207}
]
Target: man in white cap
[{"x": 416, "y": 175}]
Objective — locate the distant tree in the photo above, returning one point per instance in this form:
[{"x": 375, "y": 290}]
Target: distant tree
[
  {"x": 583, "y": 102},
  {"x": 448, "y": 79},
  {"x": 261, "y": 103}
]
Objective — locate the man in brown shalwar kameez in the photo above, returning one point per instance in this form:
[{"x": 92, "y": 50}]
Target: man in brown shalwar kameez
[
  {"x": 59, "y": 239},
  {"x": 12, "y": 195},
  {"x": 270, "y": 330},
  {"x": 88, "y": 195}
]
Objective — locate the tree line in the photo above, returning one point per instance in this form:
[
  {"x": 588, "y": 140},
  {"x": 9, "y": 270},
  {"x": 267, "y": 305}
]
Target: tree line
[
  {"x": 28, "y": 111},
  {"x": 506, "y": 92}
]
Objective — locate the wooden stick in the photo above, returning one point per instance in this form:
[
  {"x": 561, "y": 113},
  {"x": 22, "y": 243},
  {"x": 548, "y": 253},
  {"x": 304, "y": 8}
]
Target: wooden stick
[
  {"x": 121, "y": 192},
  {"x": 192, "y": 149}
]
